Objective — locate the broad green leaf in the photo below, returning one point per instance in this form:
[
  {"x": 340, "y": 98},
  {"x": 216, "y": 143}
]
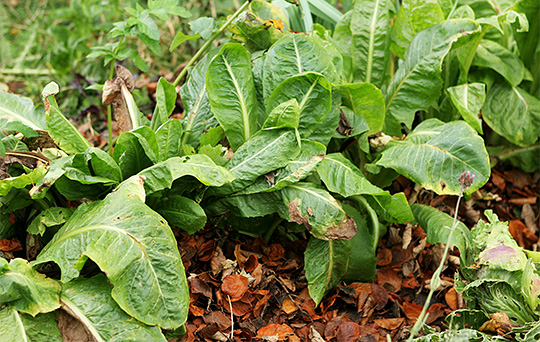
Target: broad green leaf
[
  {"x": 134, "y": 246},
  {"x": 165, "y": 103},
  {"x": 314, "y": 207},
  {"x": 313, "y": 93},
  {"x": 27, "y": 290},
  {"x": 198, "y": 116},
  {"x": 204, "y": 26},
  {"x": 391, "y": 208},
  {"x": 6, "y": 228},
  {"x": 136, "y": 150},
  {"x": 413, "y": 17},
  {"x": 89, "y": 300},
  {"x": 286, "y": 114},
  {"x": 63, "y": 132},
  {"x": 369, "y": 50},
  {"x": 183, "y": 213},
  {"x": 468, "y": 100},
  {"x": 362, "y": 258},
  {"x": 265, "y": 152},
  {"x": 101, "y": 164},
  {"x": 341, "y": 176},
  {"x": 367, "y": 102},
  {"x": 311, "y": 154},
  {"x": 494, "y": 56},
  {"x": 325, "y": 263},
  {"x": 294, "y": 54},
  {"x": 328, "y": 128},
  {"x": 22, "y": 181},
  {"x": 526, "y": 158},
  {"x": 162, "y": 175},
  {"x": 15, "y": 326},
  {"x": 18, "y": 126},
  {"x": 50, "y": 217},
  {"x": 437, "y": 226},
  {"x": 252, "y": 205},
  {"x": 169, "y": 7},
  {"x": 169, "y": 136},
  {"x": 528, "y": 42},
  {"x": 417, "y": 83},
  {"x": 21, "y": 109},
  {"x": 512, "y": 113},
  {"x": 218, "y": 154},
  {"x": 434, "y": 157},
  {"x": 254, "y": 32},
  {"x": 231, "y": 92},
  {"x": 11, "y": 143},
  {"x": 213, "y": 136},
  {"x": 343, "y": 41}
]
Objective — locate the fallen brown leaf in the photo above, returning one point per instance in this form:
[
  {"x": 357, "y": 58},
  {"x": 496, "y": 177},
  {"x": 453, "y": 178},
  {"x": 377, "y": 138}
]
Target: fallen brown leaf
[
  {"x": 235, "y": 285},
  {"x": 390, "y": 323},
  {"x": 279, "y": 331},
  {"x": 12, "y": 245}
]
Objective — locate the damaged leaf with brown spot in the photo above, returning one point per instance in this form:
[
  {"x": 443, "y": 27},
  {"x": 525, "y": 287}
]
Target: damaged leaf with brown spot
[{"x": 314, "y": 207}]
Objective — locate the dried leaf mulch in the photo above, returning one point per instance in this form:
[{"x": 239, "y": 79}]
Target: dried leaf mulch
[{"x": 243, "y": 289}]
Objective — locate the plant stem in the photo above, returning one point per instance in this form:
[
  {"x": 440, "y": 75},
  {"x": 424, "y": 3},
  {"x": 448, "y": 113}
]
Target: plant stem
[
  {"x": 270, "y": 231},
  {"x": 109, "y": 112},
  {"x": 209, "y": 42},
  {"x": 436, "y": 275}
]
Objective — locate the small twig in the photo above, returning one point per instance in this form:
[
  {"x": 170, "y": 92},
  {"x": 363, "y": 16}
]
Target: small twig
[{"x": 232, "y": 318}]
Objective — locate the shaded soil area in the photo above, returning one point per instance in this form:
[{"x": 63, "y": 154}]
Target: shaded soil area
[{"x": 259, "y": 290}]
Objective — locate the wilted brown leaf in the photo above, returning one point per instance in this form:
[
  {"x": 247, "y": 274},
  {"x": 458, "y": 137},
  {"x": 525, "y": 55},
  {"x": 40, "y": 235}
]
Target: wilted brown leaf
[
  {"x": 384, "y": 257},
  {"x": 348, "y": 332},
  {"x": 12, "y": 245},
  {"x": 412, "y": 310},
  {"x": 289, "y": 306},
  {"x": 279, "y": 331},
  {"x": 390, "y": 323},
  {"x": 235, "y": 285}
]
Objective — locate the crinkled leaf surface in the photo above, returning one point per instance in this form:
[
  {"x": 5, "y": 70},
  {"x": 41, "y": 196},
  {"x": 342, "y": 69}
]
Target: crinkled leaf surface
[
  {"x": 18, "y": 126},
  {"x": 417, "y": 83},
  {"x": 435, "y": 154},
  {"x": 163, "y": 174},
  {"x": 90, "y": 301},
  {"x": 513, "y": 113},
  {"x": 231, "y": 92},
  {"x": 340, "y": 175},
  {"x": 183, "y": 213},
  {"x": 367, "y": 102},
  {"x": 169, "y": 137},
  {"x": 313, "y": 93},
  {"x": 63, "y": 132},
  {"x": 27, "y": 290},
  {"x": 311, "y": 154},
  {"x": 251, "y": 205},
  {"x": 265, "y": 152},
  {"x": 468, "y": 100},
  {"x": 15, "y": 326},
  {"x": 198, "y": 116},
  {"x": 294, "y": 54},
  {"x": 314, "y": 207},
  {"x": 413, "y": 17},
  {"x": 325, "y": 265},
  {"x": 17, "y": 108},
  {"x": 286, "y": 114},
  {"x": 134, "y": 246}
]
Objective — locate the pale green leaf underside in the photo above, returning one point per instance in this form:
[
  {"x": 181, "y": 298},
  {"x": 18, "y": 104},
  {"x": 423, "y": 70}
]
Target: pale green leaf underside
[{"x": 134, "y": 246}]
